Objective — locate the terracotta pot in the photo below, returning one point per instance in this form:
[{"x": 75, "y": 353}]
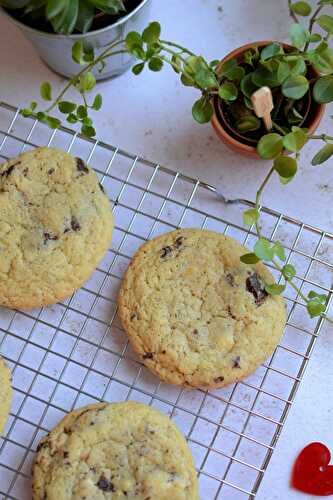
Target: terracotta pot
[{"x": 231, "y": 137}]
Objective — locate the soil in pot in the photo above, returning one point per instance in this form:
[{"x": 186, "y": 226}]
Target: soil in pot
[{"x": 36, "y": 19}]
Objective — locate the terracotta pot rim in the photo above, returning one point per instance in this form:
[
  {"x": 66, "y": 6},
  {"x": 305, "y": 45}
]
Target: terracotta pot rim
[{"x": 216, "y": 119}]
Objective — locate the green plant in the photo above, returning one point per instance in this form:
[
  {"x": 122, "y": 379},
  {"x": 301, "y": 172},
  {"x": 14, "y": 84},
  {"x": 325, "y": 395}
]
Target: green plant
[
  {"x": 272, "y": 66},
  {"x": 64, "y": 16}
]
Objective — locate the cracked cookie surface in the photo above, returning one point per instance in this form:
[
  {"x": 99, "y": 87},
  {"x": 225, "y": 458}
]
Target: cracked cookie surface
[
  {"x": 55, "y": 226},
  {"x": 195, "y": 314},
  {"x": 5, "y": 394},
  {"x": 114, "y": 451}
]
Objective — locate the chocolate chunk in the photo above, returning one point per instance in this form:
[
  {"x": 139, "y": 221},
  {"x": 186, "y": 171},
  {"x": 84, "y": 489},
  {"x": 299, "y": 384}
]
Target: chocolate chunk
[
  {"x": 165, "y": 252},
  {"x": 66, "y": 454},
  {"x": 218, "y": 379},
  {"x": 148, "y": 355},
  {"x": 9, "y": 170},
  {"x": 75, "y": 224},
  {"x": 42, "y": 445},
  {"x": 25, "y": 172},
  {"x": 195, "y": 332},
  {"x": 105, "y": 485},
  {"x": 101, "y": 188},
  {"x": 67, "y": 229},
  {"x": 49, "y": 237},
  {"x": 164, "y": 352},
  {"x": 236, "y": 362},
  {"x": 230, "y": 279},
  {"x": 81, "y": 166},
  {"x": 255, "y": 286},
  {"x": 51, "y": 171},
  {"x": 133, "y": 316},
  {"x": 179, "y": 241},
  {"x": 230, "y": 313}
]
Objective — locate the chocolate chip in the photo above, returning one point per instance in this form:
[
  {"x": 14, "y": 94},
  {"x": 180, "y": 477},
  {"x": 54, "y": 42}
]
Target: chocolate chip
[
  {"x": 25, "y": 172},
  {"x": 105, "y": 485},
  {"x": 218, "y": 379},
  {"x": 165, "y": 252},
  {"x": 75, "y": 224},
  {"x": 230, "y": 313},
  {"x": 230, "y": 279},
  {"x": 66, "y": 454},
  {"x": 179, "y": 241},
  {"x": 101, "y": 188},
  {"x": 163, "y": 352},
  {"x": 51, "y": 171},
  {"x": 42, "y": 445},
  {"x": 195, "y": 332},
  {"x": 49, "y": 237},
  {"x": 133, "y": 317},
  {"x": 236, "y": 362},
  {"x": 67, "y": 230},
  {"x": 255, "y": 286},
  {"x": 148, "y": 355},
  {"x": 9, "y": 170},
  {"x": 81, "y": 166}
]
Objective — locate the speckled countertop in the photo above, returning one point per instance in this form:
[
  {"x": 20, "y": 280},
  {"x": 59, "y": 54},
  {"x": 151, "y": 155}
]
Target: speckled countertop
[{"x": 151, "y": 115}]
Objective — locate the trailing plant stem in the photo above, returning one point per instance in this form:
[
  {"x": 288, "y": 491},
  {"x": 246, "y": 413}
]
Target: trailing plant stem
[{"x": 311, "y": 23}]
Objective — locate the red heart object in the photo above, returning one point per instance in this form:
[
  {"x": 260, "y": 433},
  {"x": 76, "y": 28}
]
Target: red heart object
[{"x": 311, "y": 473}]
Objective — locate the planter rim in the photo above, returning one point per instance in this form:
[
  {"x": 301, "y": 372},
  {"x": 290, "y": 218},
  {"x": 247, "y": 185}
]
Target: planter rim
[
  {"x": 78, "y": 35},
  {"x": 222, "y": 132}
]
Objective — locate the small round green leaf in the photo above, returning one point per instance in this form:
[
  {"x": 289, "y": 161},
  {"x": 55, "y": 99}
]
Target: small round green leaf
[
  {"x": 295, "y": 87},
  {"x": 226, "y": 67},
  {"x": 289, "y": 271},
  {"x": 132, "y": 40},
  {"x": 155, "y": 64},
  {"x": 52, "y": 122},
  {"x": 152, "y": 33},
  {"x": 326, "y": 23},
  {"x": 279, "y": 251},
  {"x": 228, "y": 91},
  {"x": 26, "y": 112},
  {"x": 285, "y": 166},
  {"x": 250, "y": 216},
  {"x": 205, "y": 77},
  {"x": 275, "y": 289},
  {"x": 323, "y": 89},
  {"x": 236, "y": 73},
  {"x": 299, "y": 35},
  {"x": 87, "y": 82},
  {"x": 323, "y": 155},
  {"x": 202, "y": 110},
  {"x": 46, "y": 91},
  {"x": 66, "y": 107},
  {"x": 249, "y": 123},
  {"x": 315, "y": 37},
  {"x": 88, "y": 131},
  {"x": 247, "y": 86},
  {"x": 77, "y": 52},
  {"x": 315, "y": 308},
  {"x": 249, "y": 258},
  {"x": 82, "y": 112},
  {"x": 138, "y": 68},
  {"x": 301, "y": 8},
  {"x": 263, "y": 249},
  {"x": 55, "y": 7},
  {"x": 176, "y": 63},
  {"x": 283, "y": 71},
  {"x": 270, "y": 146},
  {"x": 33, "y": 105},
  {"x": 72, "y": 118},
  {"x": 262, "y": 77},
  {"x": 271, "y": 50},
  {"x": 294, "y": 141}
]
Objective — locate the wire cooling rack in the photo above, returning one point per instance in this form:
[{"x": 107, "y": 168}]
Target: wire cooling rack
[{"x": 75, "y": 353}]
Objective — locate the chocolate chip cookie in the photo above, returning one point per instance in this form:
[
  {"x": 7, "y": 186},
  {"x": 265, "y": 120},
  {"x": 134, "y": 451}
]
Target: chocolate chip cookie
[
  {"x": 194, "y": 313},
  {"x": 106, "y": 451},
  {"x": 5, "y": 394},
  {"x": 55, "y": 226}
]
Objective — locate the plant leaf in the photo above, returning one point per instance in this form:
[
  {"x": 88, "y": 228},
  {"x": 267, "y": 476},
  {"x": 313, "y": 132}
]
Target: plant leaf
[
  {"x": 271, "y": 50},
  {"x": 247, "y": 86},
  {"x": 155, "y": 64},
  {"x": 98, "y": 102},
  {"x": 226, "y": 67},
  {"x": 249, "y": 258},
  {"x": 262, "y": 77},
  {"x": 85, "y": 16},
  {"x": 275, "y": 289},
  {"x": 152, "y": 33},
  {"x": 138, "y": 68},
  {"x": 249, "y": 123},
  {"x": 323, "y": 155},
  {"x": 294, "y": 141},
  {"x": 132, "y": 40},
  {"x": 295, "y": 87},
  {"x": 46, "y": 91},
  {"x": 285, "y": 166},
  {"x": 301, "y": 8},
  {"x": 299, "y": 35},
  {"x": 77, "y": 52},
  {"x": 270, "y": 146},
  {"x": 279, "y": 251},
  {"x": 205, "y": 77},
  {"x": 263, "y": 249},
  {"x": 250, "y": 216},
  {"x": 87, "y": 82},
  {"x": 66, "y": 107},
  {"x": 228, "y": 91},
  {"x": 323, "y": 89},
  {"x": 54, "y": 7},
  {"x": 289, "y": 271},
  {"x": 326, "y": 23},
  {"x": 202, "y": 110}
]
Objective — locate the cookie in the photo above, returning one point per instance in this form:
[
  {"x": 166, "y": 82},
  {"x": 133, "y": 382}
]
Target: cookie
[
  {"x": 114, "y": 451},
  {"x": 55, "y": 226},
  {"x": 194, "y": 313},
  {"x": 5, "y": 394}
]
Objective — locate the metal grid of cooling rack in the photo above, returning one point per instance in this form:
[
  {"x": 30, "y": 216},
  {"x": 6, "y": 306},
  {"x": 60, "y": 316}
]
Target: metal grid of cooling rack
[{"x": 75, "y": 353}]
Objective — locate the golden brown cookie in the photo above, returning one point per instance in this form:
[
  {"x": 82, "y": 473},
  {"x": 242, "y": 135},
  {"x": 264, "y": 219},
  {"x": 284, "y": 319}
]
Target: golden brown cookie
[
  {"x": 197, "y": 315},
  {"x": 6, "y": 394},
  {"x": 55, "y": 226},
  {"x": 114, "y": 451}
]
